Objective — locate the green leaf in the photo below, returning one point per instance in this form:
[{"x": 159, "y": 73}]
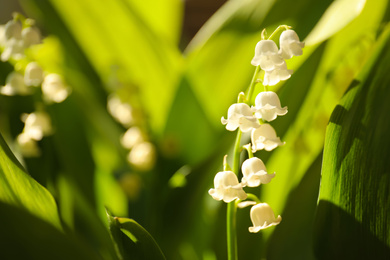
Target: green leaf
[
  {"x": 132, "y": 240},
  {"x": 20, "y": 189},
  {"x": 24, "y": 236},
  {"x": 353, "y": 217},
  {"x": 335, "y": 18}
]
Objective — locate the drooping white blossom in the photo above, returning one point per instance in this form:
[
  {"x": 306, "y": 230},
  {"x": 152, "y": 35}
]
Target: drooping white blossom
[
  {"x": 31, "y": 36},
  {"x": 290, "y": 44},
  {"x": 14, "y": 85},
  {"x": 37, "y": 125},
  {"x": 265, "y": 137},
  {"x": 267, "y": 55},
  {"x": 54, "y": 88},
  {"x": 132, "y": 137},
  {"x": 255, "y": 173},
  {"x": 12, "y": 30},
  {"x": 226, "y": 187},
  {"x": 33, "y": 74},
  {"x": 240, "y": 116},
  {"x": 279, "y": 73},
  {"x": 267, "y": 106},
  {"x": 28, "y": 146},
  {"x": 13, "y": 48},
  {"x": 121, "y": 111},
  {"x": 143, "y": 156},
  {"x": 262, "y": 217}
]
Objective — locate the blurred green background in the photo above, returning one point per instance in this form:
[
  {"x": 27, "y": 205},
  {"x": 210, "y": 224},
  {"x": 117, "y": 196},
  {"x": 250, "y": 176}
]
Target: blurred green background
[{"x": 180, "y": 64}]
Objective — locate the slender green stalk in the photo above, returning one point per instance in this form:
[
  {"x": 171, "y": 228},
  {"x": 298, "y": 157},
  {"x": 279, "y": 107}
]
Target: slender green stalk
[{"x": 232, "y": 206}]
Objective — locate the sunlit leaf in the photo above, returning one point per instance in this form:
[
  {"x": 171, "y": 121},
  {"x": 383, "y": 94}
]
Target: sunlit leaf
[
  {"x": 19, "y": 189},
  {"x": 132, "y": 240},
  {"x": 353, "y": 210}
]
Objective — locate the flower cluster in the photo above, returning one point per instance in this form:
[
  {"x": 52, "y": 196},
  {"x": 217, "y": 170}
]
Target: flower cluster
[
  {"x": 255, "y": 119},
  {"x": 142, "y": 153},
  {"x": 16, "y": 37}
]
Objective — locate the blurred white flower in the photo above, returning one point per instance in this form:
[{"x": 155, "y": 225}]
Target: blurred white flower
[
  {"x": 265, "y": 137},
  {"x": 267, "y": 55},
  {"x": 227, "y": 188},
  {"x": 255, "y": 173},
  {"x": 13, "y": 48},
  {"x": 132, "y": 137},
  {"x": 28, "y": 146},
  {"x": 143, "y": 156},
  {"x": 33, "y": 75},
  {"x": 14, "y": 85},
  {"x": 13, "y": 29},
  {"x": 121, "y": 111},
  {"x": 246, "y": 203},
  {"x": 262, "y": 217},
  {"x": 54, "y": 88},
  {"x": 279, "y": 72},
  {"x": 267, "y": 106},
  {"x": 31, "y": 36},
  {"x": 240, "y": 115},
  {"x": 290, "y": 44},
  {"x": 37, "y": 125}
]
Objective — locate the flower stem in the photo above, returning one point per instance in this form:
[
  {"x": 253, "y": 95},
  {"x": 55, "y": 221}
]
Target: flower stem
[{"x": 252, "y": 85}]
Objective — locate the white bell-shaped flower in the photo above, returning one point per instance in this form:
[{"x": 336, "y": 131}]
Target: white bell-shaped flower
[
  {"x": 14, "y": 85},
  {"x": 143, "y": 156},
  {"x": 13, "y": 49},
  {"x": 13, "y": 30},
  {"x": 54, "y": 88},
  {"x": 121, "y": 111},
  {"x": 33, "y": 75},
  {"x": 37, "y": 125},
  {"x": 31, "y": 36},
  {"x": 28, "y": 146},
  {"x": 265, "y": 137},
  {"x": 227, "y": 188},
  {"x": 262, "y": 217},
  {"x": 240, "y": 115},
  {"x": 267, "y": 55},
  {"x": 267, "y": 106},
  {"x": 280, "y": 72},
  {"x": 132, "y": 137},
  {"x": 254, "y": 173},
  {"x": 290, "y": 44}
]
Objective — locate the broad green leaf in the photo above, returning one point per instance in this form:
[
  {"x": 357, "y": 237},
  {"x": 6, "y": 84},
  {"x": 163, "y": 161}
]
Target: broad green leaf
[
  {"x": 20, "y": 189},
  {"x": 353, "y": 209},
  {"x": 132, "y": 240},
  {"x": 336, "y": 17},
  {"x": 25, "y": 236}
]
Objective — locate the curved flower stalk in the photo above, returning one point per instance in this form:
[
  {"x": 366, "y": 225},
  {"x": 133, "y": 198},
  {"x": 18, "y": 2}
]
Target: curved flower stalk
[
  {"x": 255, "y": 173},
  {"x": 267, "y": 106},
  {"x": 226, "y": 187},
  {"x": 290, "y": 45},
  {"x": 265, "y": 138},
  {"x": 240, "y": 116},
  {"x": 262, "y": 217}
]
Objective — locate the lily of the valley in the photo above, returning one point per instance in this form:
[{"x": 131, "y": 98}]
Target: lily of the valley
[
  {"x": 267, "y": 106},
  {"x": 290, "y": 45},
  {"x": 267, "y": 55},
  {"x": 227, "y": 187},
  {"x": 143, "y": 156},
  {"x": 28, "y": 146},
  {"x": 132, "y": 137},
  {"x": 54, "y": 88},
  {"x": 255, "y": 173},
  {"x": 264, "y": 137},
  {"x": 14, "y": 85},
  {"x": 33, "y": 74},
  {"x": 121, "y": 111},
  {"x": 279, "y": 73},
  {"x": 37, "y": 125},
  {"x": 240, "y": 116},
  {"x": 262, "y": 217}
]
